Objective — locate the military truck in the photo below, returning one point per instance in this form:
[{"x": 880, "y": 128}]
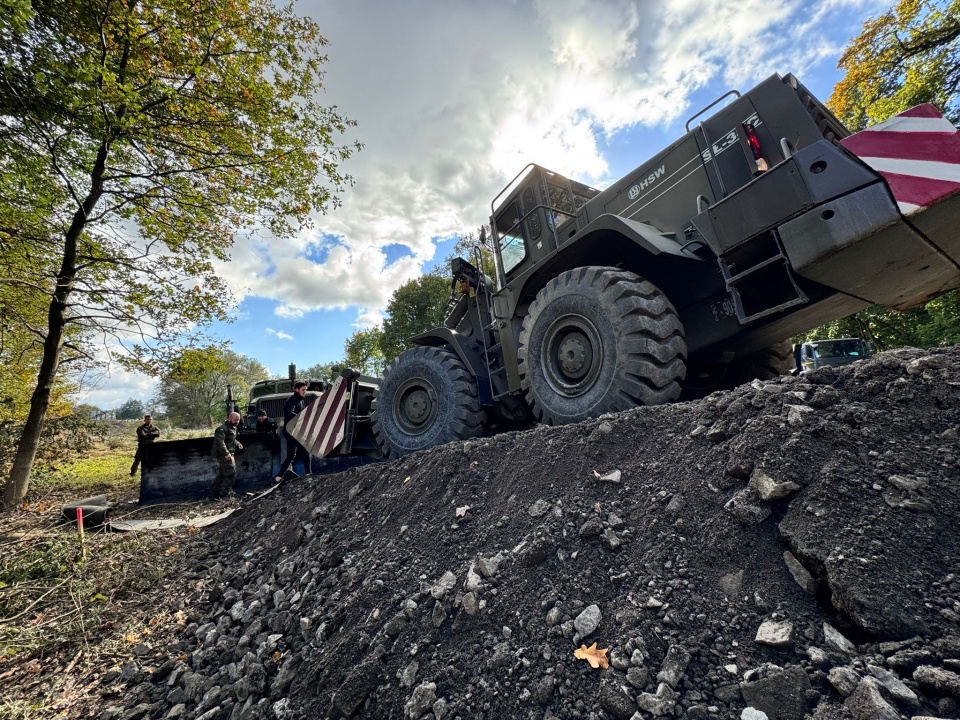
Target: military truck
[{"x": 688, "y": 275}]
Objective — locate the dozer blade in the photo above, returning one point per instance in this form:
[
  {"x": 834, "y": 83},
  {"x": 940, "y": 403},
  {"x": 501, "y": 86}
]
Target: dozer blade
[
  {"x": 918, "y": 154},
  {"x": 177, "y": 470},
  {"x": 321, "y": 426}
]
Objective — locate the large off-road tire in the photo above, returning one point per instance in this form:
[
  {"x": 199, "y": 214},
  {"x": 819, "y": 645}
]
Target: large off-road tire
[
  {"x": 764, "y": 364},
  {"x": 598, "y": 340},
  {"x": 426, "y": 397}
]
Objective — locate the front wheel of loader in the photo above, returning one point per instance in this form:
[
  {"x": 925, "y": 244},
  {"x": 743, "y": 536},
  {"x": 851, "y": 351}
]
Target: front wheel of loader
[
  {"x": 427, "y": 397},
  {"x": 598, "y": 340}
]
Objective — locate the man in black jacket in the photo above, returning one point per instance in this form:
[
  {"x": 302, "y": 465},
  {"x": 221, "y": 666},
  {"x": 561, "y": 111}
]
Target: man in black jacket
[
  {"x": 266, "y": 424},
  {"x": 295, "y": 403}
]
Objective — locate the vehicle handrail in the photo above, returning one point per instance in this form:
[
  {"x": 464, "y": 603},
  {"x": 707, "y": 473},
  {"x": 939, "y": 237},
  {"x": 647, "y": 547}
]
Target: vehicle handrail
[{"x": 686, "y": 127}]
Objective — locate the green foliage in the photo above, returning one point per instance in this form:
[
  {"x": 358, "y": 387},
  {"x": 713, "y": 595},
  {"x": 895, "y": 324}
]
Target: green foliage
[
  {"x": 136, "y": 140},
  {"x": 320, "y": 371},
  {"x": 63, "y": 439},
  {"x": 906, "y": 56},
  {"x": 415, "y": 307},
  {"x": 362, "y": 352},
  {"x": 464, "y": 248},
  {"x": 936, "y": 323},
  {"x": 131, "y": 410},
  {"x": 194, "y": 390}
]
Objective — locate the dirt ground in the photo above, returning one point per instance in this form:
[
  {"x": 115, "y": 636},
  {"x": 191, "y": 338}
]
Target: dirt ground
[{"x": 785, "y": 550}]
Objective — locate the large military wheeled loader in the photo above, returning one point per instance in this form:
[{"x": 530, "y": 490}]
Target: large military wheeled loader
[{"x": 688, "y": 275}]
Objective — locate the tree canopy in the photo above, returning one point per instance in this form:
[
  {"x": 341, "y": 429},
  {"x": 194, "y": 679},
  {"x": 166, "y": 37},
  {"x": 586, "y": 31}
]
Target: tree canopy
[
  {"x": 906, "y": 56},
  {"x": 415, "y": 307},
  {"x": 136, "y": 141},
  {"x": 132, "y": 409},
  {"x": 194, "y": 390}
]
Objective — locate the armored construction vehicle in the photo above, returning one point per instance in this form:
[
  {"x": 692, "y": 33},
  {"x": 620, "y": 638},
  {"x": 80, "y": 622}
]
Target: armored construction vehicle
[{"x": 765, "y": 220}]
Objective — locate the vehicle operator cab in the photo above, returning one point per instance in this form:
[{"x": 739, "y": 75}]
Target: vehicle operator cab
[{"x": 531, "y": 218}]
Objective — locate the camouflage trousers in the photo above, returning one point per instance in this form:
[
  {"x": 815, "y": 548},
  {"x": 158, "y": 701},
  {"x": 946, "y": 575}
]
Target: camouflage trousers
[{"x": 226, "y": 476}]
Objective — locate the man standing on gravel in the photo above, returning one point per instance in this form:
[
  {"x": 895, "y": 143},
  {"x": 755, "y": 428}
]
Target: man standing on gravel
[
  {"x": 146, "y": 434},
  {"x": 225, "y": 447}
]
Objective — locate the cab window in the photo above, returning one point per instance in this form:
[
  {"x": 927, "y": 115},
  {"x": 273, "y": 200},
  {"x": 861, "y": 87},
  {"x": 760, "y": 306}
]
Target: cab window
[
  {"x": 510, "y": 234},
  {"x": 560, "y": 200}
]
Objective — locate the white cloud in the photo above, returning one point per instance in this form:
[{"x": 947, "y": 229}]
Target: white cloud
[
  {"x": 110, "y": 387},
  {"x": 288, "y": 312},
  {"x": 279, "y": 334},
  {"x": 449, "y": 116}
]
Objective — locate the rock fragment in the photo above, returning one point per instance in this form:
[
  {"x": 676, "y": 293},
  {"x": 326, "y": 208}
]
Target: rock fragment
[
  {"x": 661, "y": 703},
  {"x": 799, "y": 572},
  {"x": 769, "y": 488},
  {"x": 836, "y": 641},
  {"x": 588, "y": 620},
  {"x": 781, "y": 695},
  {"x": 674, "y": 665},
  {"x": 937, "y": 680},
  {"x": 867, "y": 703},
  {"x": 775, "y": 634},
  {"x": 421, "y": 700}
]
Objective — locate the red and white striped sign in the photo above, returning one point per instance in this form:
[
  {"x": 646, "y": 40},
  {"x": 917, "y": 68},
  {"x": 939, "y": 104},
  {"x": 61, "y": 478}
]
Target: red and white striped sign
[
  {"x": 320, "y": 425},
  {"x": 917, "y": 152}
]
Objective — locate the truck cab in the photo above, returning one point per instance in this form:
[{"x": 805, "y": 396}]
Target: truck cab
[{"x": 834, "y": 353}]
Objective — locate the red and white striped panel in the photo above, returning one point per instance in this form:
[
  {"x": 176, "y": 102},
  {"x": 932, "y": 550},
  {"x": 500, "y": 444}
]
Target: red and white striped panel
[
  {"x": 320, "y": 425},
  {"x": 917, "y": 152}
]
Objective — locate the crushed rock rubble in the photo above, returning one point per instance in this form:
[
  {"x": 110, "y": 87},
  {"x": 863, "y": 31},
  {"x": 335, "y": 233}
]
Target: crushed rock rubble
[{"x": 785, "y": 550}]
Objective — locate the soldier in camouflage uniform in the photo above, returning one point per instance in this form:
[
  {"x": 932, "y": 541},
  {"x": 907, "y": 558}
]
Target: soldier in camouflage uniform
[
  {"x": 225, "y": 448},
  {"x": 146, "y": 434}
]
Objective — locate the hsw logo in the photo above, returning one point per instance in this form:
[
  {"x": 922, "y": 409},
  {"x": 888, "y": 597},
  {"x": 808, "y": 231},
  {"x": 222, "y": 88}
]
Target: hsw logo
[{"x": 634, "y": 191}]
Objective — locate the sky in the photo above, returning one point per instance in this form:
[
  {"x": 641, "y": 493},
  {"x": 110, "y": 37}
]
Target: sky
[{"x": 453, "y": 98}]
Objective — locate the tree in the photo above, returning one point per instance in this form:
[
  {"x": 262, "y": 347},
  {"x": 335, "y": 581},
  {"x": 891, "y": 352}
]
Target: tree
[
  {"x": 464, "y": 248},
  {"x": 194, "y": 390},
  {"x": 320, "y": 371},
  {"x": 362, "y": 352},
  {"x": 131, "y": 410},
  {"x": 906, "y": 56},
  {"x": 148, "y": 135},
  {"x": 414, "y": 307}
]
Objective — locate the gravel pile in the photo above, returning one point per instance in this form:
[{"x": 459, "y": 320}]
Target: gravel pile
[{"x": 785, "y": 550}]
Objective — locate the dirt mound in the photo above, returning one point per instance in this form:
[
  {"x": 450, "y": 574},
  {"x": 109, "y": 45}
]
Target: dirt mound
[{"x": 786, "y": 549}]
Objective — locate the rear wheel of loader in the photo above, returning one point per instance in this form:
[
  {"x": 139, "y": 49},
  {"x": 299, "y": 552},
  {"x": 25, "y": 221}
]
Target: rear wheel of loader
[
  {"x": 765, "y": 364},
  {"x": 599, "y": 340},
  {"x": 426, "y": 397}
]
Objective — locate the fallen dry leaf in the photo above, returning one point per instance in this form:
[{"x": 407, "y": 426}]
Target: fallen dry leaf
[
  {"x": 131, "y": 638},
  {"x": 461, "y": 511},
  {"x": 277, "y": 655},
  {"x": 473, "y": 464},
  {"x": 596, "y": 658},
  {"x": 170, "y": 551},
  {"x": 407, "y": 479},
  {"x": 597, "y": 507}
]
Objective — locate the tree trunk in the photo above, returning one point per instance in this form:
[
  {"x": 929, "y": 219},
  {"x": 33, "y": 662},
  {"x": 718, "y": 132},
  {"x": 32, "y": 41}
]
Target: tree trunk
[{"x": 19, "y": 481}]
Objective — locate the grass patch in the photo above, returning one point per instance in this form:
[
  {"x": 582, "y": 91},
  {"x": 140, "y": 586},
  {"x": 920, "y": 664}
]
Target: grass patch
[{"x": 91, "y": 475}]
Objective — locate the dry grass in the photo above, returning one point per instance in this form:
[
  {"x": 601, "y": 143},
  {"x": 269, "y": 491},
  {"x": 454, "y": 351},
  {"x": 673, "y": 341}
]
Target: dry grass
[{"x": 66, "y": 617}]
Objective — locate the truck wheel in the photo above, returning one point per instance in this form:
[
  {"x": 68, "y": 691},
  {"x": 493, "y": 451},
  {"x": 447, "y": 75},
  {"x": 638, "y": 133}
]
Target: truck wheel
[
  {"x": 765, "y": 364},
  {"x": 427, "y": 397},
  {"x": 599, "y": 340}
]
